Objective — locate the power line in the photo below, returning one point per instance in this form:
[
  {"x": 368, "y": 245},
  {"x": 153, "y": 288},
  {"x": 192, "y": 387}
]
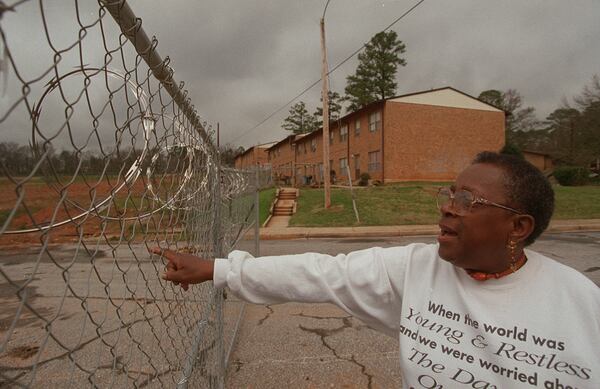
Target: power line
[
  {"x": 331, "y": 71},
  {"x": 325, "y": 9}
]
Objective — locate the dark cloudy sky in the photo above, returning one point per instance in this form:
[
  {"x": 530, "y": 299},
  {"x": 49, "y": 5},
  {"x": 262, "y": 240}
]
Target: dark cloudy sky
[{"x": 242, "y": 59}]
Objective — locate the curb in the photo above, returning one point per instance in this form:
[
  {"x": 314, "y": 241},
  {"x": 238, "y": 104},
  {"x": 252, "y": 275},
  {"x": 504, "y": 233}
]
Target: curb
[{"x": 386, "y": 231}]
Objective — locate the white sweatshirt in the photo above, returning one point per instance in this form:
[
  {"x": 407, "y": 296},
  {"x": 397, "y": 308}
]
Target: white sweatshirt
[{"x": 538, "y": 327}]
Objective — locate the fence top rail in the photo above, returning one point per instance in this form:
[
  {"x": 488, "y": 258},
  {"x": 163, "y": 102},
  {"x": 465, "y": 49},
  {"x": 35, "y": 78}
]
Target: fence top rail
[{"x": 131, "y": 27}]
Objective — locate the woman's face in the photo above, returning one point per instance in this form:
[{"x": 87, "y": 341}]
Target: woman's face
[{"x": 477, "y": 240}]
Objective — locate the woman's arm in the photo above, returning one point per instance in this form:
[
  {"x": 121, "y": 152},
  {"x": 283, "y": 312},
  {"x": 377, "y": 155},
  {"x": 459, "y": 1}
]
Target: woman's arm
[
  {"x": 367, "y": 284},
  {"x": 185, "y": 269}
]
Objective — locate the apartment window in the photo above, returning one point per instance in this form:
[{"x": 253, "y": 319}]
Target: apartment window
[
  {"x": 332, "y": 174},
  {"x": 331, "y": 136},
  {"x": 357, "y": 127},
  {"x": 304, "y": 147},
  {"x": 344, "y": 133},
  {"x": 313, "y": 145},
  {"x": 375, "y": 161},
  {"x": 357, "y": 166},
  {"x": 375, "y": 121},
  {"x": 343, "y": 165}
]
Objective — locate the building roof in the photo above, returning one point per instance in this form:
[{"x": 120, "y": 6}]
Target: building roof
[
  {"x": 294, "y": 136},
  {"x": 309, "y": 135},
  {"x": 447, "y": 97},
  {"x": 536, "y": 152},
  {"x": 261, "y": 146},
  {"x": 266, "y": 145}
]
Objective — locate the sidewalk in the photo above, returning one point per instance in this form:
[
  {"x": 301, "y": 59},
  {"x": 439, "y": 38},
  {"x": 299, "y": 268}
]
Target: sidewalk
[{"x": 270, "y": 233}]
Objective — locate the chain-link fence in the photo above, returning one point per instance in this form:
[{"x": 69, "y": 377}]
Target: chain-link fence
[{"x": 102, "y": 156}]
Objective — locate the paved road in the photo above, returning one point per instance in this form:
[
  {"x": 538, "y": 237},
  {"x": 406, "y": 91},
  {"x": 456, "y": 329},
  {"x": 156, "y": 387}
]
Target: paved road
[
  {"x": 319, "y": 346},
  {"x": 580, "y": 251},
  {"x": 295, "y": 345}
]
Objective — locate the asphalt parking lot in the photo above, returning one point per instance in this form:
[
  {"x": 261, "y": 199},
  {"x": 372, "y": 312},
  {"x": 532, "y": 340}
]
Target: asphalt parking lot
[
  {"x": 295, "y": 345},
  {"x": 319, "y": 346}
]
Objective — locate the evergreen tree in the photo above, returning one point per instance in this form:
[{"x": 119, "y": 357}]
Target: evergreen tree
[
  {"x": 375, "y": 76},
  {"x": 335, "y": 109},
  {"x": 299, "y": 121}
]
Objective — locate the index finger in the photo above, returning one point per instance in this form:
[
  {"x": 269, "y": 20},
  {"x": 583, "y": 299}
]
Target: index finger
[
  {"x": 155, "y": 250},
  {"x": 169, "y": 255}
]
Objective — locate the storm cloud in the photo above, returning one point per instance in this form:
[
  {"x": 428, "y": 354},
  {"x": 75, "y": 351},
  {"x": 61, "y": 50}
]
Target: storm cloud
[{"x": 241, "y": 59}]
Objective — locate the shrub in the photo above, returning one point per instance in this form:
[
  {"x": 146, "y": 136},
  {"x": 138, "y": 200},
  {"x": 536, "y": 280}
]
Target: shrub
[
  {"x": 511, "y": 149},
  {"x": 364, "y": 179},
  {"x": 571, "y": 175}
]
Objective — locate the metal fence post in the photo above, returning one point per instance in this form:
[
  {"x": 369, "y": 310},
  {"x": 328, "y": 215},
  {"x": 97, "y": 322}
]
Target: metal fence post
[
  {"x": 218, "y": 241},
  {"x": 257, "y": 215},
  {"x": 352, "y": 195}
]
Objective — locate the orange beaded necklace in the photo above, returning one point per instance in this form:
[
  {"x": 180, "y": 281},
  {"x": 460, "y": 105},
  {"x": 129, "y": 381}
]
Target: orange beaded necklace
[{"x": 482, "y": 276}]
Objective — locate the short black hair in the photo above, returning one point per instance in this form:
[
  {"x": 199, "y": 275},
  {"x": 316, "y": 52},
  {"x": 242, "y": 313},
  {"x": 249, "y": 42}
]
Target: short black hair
[{"x": 526, "y": 187}]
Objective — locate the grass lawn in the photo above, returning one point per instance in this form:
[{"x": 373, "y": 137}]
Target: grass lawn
[
  {"x": 393, "y": 204},
  {"x": 577, "y": 202},
  {"x": 414, "y": 203}
]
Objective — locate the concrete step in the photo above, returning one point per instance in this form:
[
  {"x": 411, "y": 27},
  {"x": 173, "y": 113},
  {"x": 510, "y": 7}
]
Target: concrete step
[{"x": 284, "y": 206}]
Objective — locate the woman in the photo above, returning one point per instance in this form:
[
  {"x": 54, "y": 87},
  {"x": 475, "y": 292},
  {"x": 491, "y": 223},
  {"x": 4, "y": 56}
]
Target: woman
[{"x": 476, "y": 310}]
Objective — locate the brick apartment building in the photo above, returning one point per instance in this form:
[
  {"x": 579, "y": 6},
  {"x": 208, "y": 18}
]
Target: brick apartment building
[
  {"x": 282, "y": 156},
  {"x": 427, "y": 136},
  {"x": 254, "y": 156}
]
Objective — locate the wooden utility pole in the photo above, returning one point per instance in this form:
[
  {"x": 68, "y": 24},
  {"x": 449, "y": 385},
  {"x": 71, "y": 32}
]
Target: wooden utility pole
[{"x": 325, "y": 79}]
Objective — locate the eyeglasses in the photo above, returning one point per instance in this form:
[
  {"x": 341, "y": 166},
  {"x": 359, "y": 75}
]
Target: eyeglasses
[{"x": 462, "y": 201}]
